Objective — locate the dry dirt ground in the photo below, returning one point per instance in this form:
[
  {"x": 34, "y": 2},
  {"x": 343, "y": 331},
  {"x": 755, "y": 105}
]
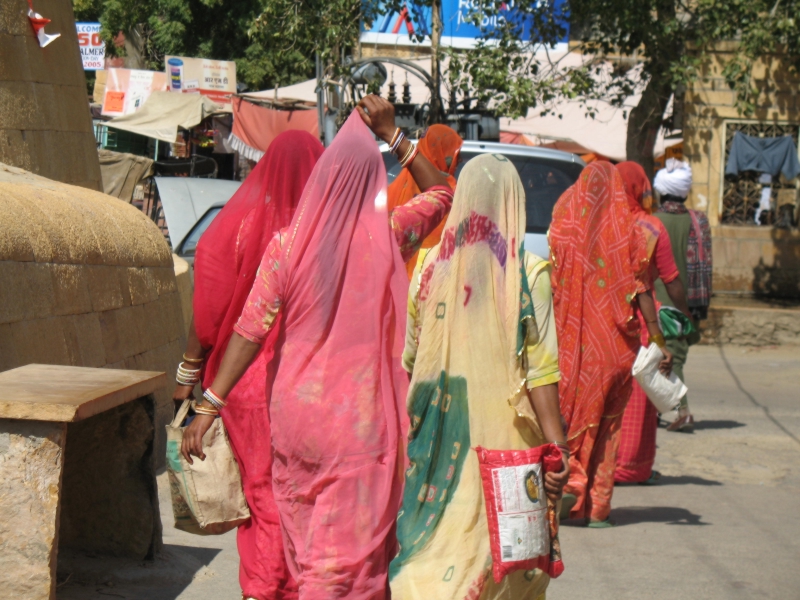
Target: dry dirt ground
[{"x": 724, "y": 523}]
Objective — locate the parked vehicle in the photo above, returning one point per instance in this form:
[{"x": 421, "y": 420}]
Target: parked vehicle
[
  {"x": 545, "y": 174},
  {"x": 190, "y": 204}
]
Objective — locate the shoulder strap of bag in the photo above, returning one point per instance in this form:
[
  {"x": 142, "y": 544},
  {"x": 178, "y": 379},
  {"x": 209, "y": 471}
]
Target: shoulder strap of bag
[
  {"x": 180, "y": 416},
  {"x": 699, "y": 233}
]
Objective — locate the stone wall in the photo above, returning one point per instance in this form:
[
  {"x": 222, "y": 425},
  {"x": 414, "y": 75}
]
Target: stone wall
[
  {"x": 87, "y": 280},
  {"x": 45, "y": 124},
  {"x": 761, "y": 261},
  {"x": 747, "y": 259}
]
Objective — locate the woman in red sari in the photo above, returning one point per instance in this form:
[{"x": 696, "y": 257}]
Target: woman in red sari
[
  {"x": 599, "y": 258},
  {"x": 441, "y": 145},
  {"x": 637, "y": 446},
  {"x": 226, "y": 262}
]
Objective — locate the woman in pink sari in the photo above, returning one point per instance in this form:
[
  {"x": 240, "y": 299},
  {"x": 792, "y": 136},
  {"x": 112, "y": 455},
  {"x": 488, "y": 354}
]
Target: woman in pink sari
[
  {"x": 225, "y": 267},
  {"x": 336, "y": 278}
]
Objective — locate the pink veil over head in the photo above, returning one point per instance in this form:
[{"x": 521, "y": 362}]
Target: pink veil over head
[
  {"x": 338, "y": 398},
  {"x": 231, "y": 249}
]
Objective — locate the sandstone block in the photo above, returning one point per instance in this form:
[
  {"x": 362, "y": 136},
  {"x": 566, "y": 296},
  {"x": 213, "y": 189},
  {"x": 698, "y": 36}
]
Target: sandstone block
[
  {"x": 142, "y": 284},
  {"x": 71, "y": 290},
  {"x": 40, "y": 341},
  {"x": 84, "y": 337},
  {"x": 119, "y": 327},
  {"x": 31, "y": 459},
  {"x": 105, "y": 289},
  {"x": 8, "y": 350},
  {"x": 110, "y": 504}
]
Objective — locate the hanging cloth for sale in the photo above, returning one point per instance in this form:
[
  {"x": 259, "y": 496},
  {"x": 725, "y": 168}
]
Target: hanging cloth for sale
[{"x": 771, "y": 155}]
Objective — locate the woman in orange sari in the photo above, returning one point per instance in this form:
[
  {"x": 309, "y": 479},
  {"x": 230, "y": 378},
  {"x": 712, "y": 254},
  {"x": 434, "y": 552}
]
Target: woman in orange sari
[
  {"x": 440, "y": 145},
  {"x": 599, "y": 258},
  {"x": 637, "y": 446}
]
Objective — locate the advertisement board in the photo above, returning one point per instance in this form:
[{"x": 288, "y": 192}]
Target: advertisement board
[
  {"x": 213, "y": 78},
  {"x": 127, "y": 89},
  {"x": 458, "y": 31},
  {"x": 93, "y": 49}
]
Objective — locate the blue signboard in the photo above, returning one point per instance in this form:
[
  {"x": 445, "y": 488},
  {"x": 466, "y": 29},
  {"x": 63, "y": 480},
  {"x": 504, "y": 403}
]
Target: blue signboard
[{"x": 458, "y": 29}]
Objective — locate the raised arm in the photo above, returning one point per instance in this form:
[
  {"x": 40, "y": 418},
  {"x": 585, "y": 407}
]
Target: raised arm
[{"x": 378, "y": 114}]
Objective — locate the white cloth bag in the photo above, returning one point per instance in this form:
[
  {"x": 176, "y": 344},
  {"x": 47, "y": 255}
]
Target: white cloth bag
[
  {"x": 664, "y": 392},
  {"x": 207, "y": 495}
]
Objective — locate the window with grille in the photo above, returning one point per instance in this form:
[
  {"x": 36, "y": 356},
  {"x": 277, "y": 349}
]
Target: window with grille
[{"x": 741, "y": 195}]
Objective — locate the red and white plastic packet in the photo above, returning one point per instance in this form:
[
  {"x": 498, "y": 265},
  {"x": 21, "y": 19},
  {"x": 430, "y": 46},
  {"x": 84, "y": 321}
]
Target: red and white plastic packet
[{"x": 523, "y": 525}]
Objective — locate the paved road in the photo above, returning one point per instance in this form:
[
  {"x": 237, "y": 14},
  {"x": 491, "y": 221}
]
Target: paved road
[{"x": 723, "y": 524}]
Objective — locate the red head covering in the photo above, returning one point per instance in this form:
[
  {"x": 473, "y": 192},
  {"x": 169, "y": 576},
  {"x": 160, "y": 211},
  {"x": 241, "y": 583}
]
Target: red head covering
[
  {"x": 637, "y": 187},
  {"x": 230, "y": 250},
  {"x": 441, "y": 146},
  {"x": 640, "y": 201},
  {"x": 597, "y": 254}
]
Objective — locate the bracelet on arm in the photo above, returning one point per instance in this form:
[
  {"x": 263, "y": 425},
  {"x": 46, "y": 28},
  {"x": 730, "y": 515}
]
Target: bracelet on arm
[
  {"x": 397, "y": 133},
  {"x": 658, "y": 340},
  {"x": 409, "y": 151},
  {"x": 395, "y": 145},
  {"x": 204, "y": 410},
  {"x": 406, "y": 162},
  {"x": 195, "y": 361},
  {"x": 563, "y": 446},
  {"x": 187, "y": 376},
  {"x": 214, "y": 400}
]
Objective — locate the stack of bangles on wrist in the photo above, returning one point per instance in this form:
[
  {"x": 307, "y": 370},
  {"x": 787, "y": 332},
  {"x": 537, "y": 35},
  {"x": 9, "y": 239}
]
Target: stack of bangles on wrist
[
  {"x": 186, "y": 376},
  {"x": 215, "y": 401},
  {"x": 394, "y": 145},
  {"x": 563, "y": 447}
]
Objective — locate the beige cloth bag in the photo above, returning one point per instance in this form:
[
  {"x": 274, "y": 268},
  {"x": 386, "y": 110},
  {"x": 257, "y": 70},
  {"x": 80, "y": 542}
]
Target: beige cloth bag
[
  {"x": 664, "y": 392},
  {"x": 207, "y": 496}
]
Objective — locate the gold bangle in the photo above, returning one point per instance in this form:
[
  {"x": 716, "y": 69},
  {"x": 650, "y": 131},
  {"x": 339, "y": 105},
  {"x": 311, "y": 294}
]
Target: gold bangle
[
  {"x": 658, "y": 340},
  {"x": 407, "y": 153},
  {"x": 192, "y": 360},
  {"x": 202, "y": 410},
  {"x": 410, "y": 159}
]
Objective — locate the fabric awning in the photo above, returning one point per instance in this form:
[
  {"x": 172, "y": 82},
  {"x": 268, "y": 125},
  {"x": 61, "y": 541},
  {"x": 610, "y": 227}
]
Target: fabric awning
[
  {"x": 254, "y": 126},
  {"x": 162, "y": 114}
]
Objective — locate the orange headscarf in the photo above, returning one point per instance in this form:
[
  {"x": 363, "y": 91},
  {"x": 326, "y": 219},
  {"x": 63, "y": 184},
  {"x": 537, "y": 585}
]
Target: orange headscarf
[
  {"x": 441, "y": 146},
  {"x": 640, "y": 201}
]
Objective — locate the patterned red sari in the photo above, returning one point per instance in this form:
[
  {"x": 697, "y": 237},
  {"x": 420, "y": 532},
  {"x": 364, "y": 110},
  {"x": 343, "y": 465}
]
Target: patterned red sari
[{"x": 598, "y": 254}]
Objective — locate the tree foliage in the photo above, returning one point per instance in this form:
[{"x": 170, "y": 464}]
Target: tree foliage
[{"x": 217, "y": 29}]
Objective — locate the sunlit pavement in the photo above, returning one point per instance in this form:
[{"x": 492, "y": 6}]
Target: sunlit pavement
[{"x": 724, "y": 523}]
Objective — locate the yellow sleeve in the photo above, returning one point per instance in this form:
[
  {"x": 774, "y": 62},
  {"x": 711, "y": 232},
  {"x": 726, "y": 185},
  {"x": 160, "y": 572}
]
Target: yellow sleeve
[
  {"x": 412, "y": 342},
  {"x": 542, "y": 347}
]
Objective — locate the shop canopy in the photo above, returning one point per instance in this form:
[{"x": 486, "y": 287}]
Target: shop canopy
[{"x": 164, "y": 112}]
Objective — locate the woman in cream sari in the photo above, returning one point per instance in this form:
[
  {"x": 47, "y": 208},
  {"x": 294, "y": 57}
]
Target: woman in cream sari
[{"x": 482, "y": 352}]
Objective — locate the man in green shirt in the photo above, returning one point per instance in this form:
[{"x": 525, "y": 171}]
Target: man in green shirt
[{"x": 690, "y": 235}]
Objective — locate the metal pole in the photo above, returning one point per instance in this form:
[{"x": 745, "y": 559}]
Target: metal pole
[{"x": 320, "y": 99}]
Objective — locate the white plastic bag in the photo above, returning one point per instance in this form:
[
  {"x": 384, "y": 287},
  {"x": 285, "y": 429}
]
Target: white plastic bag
[{"x": 664, "y": 392}]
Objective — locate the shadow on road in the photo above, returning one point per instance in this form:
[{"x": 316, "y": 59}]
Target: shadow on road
[
  {"x": 720, "y": 424},
  {"x": 83, "y": 577},
  {"x": 686, "y": 480},
  {"x": 669, "y": 515}
]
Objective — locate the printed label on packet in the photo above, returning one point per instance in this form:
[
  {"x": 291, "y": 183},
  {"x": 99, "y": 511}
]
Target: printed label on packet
[{"x": 521, "y": 512}]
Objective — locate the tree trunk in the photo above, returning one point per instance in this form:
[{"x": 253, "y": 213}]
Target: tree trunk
[
  {"x": 645, "y": 121},
  {"x": 436, "y": 73}
]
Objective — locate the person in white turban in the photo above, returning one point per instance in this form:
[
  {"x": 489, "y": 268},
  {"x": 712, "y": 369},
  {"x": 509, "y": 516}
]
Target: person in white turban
[
  {"x": 675, "y": 179},
  {"x": 690, "y": 235}
]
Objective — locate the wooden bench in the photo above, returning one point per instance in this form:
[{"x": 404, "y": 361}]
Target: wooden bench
[{"x": 77, "y": 470}]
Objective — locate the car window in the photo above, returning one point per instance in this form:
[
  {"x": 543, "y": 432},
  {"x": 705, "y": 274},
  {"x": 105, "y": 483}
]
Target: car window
[
  {"x": 392, "y": 165},
  {"x": 190, "y": 243},
  {"x": 544, "y": 181}
]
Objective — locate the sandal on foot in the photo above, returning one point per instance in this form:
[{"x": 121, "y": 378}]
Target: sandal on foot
[
  {"x": 653, "y": 479},
  {"x": 608, "y": 523},
  {"x": 682, "y": 424},
  {"x": 567, "y": 502}
]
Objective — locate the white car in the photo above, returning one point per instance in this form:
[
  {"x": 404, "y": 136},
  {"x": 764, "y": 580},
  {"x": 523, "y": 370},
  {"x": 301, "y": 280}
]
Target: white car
[{"x": 545, "y": 174}]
